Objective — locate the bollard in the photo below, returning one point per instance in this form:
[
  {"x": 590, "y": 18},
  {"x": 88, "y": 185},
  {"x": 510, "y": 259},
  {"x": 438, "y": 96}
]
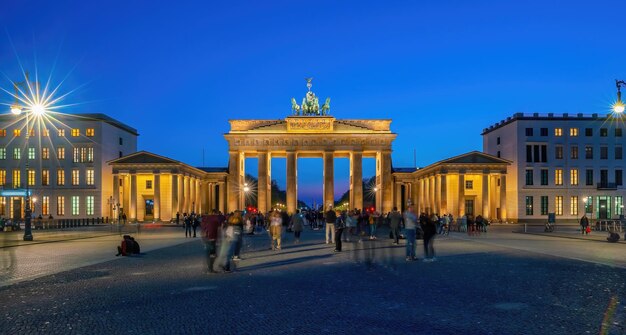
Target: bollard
[{"x": 525, "y": 227}]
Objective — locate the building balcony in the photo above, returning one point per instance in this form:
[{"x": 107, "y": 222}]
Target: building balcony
[{"x": 607, "y": 186}]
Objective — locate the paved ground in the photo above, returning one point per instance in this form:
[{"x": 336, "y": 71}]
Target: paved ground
[{"x": 497, "y": 283}]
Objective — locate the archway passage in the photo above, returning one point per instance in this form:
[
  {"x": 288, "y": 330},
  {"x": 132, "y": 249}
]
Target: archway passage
[{"x": 311, "y": 136}]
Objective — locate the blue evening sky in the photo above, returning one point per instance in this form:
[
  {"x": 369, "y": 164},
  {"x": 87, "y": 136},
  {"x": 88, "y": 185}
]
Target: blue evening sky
[{"x": 442, "y": 70}]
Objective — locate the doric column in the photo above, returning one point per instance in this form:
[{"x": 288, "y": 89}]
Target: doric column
[
  {"x": 398, "y": 196},
  {"x": 126, "y": 194},
  {"x": 461, "y": 206},
  {"x": 387, "y": 182},
  {"x": 493, "y": 192},
  {"x": 192, "y": 194},
  {"x": 485, "y": 195},
  {"x": 234, "y": 180},
  {"x": 292, "y": 179},
  {"x": 444, "y": 194},
  {"x": 222, "y": 197},
  {"x": 116, "y": 190},
  {"x": 157, "y": 196},
  {"x": 356, "y": 180},
  {"x": 329, "y": 179},
  {"x": 427, "y": 204},
  {"x": 133, "y": 197},
  {"x": 503, "y": 197},
  {"x": 421, "y": 205},
  {"x": 263, "y": 188},
  {"x": 434, "y": 193},
  {"x": 186, "y": 195},
  {"x": 197, "y": 197},
  {"x": 175, "y": 208}
]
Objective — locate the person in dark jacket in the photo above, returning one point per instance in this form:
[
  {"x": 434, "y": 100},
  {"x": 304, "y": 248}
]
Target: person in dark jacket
[
  {"x": 340, "y": 224},
  {"x": 210, "y": 225},
  {"x": 429, "y": 226},
  {"x": 584, "y": 223},
  {"x": 395, "y": 220}
]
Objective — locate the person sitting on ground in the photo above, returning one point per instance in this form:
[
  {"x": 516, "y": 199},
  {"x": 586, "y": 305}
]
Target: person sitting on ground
[
  {"x": 127, "y": 246},
  {"x": 613, "y": 237}
]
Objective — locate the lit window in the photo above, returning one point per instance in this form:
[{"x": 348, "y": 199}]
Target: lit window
[
  {"x": 17, "y": 153},
  {"x": 31, "y": 133},
  {"x": 573, "y": 205},
  {"x": 573, "y": 174},
  {"x": 17, "y": 132},
  {"x": 60, "y": 205},
  {"x": 16, "y": 178},
  {"x": 558, "y": 177},
  {"x": 60, "y": 153},
  {"x": 45, "y": 205},
  {"x": 3, "y": 177},
  {"x": 573, "y": 132},
  {"x": 90, "y": 204},
  {"x": 529, "y": 205},
  {"x": 31, "y": 177},
  {"x": 89, "y": 155},
  {"x": 45, "y": 153},
  {"x": 558, "y": 131},
  {"x": 76, "y": 157},
  {"x": 3, "y": 132},
  {"x": 3, "y": 153},
  {"x": 558, "y": 204},
  {"x": 60, "y": 177},
  {"x": 3, "y": 206},
  {"x": 75, "y": 177},
  {"x": 90, "y": 132},
  {"x": 61, "y": 132},
  {"x": 31, "y": 153},
  {"x": 45, "y": 177},
  {"x": 90, "y": 177},
  {"x": 45, "y": 132},
  {"x": 75, "y": 205},
  {"x": 75, "y": 132}
]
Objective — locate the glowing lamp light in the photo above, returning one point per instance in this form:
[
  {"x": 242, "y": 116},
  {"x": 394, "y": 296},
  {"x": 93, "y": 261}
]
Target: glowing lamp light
[
  {"x": 16, "y": 110},
  {"x": 38, "y": 109}
]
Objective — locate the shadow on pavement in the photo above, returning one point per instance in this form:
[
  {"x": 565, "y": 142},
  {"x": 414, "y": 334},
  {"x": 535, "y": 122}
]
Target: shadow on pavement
[{"x": 282, "y": 262}]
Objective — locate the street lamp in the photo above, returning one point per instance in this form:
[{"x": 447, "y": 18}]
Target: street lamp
[
  {"x": 618, "y": 107},
  {"x": 36, "y": 109}
]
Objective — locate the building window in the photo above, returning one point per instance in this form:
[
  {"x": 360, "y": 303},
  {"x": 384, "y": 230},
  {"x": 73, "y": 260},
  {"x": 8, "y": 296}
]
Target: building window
[
  {"x": 17, "y": 178},
  {"x": 121, "y": 154},
  {"x": 121, "y": 141},
  {"x": 31, "y": 177},
  {"x": 76, "y": 156},
  {"x": 604, "y": 177},
  {"x": 45, "y": 132},
  {"x": 536, "y": 153},
  {"x": 60, "y": 177},
  {"x": 588, "y": 132},
  {"x": 75, "y": 177},
  {"x": 498, "y": 154},
  {"x": 558, "y": 152},
  {"x": 618, "y": 152},
  {"x": 17, "y": 153},
  {"x": 544, "y": 176},
  {"x": 573, "y": 132},
  {"x": 558, "y": 177},
  {"x": 17, "y": 132},
  {"x": 558, "y": 205},
  {"x": 544, "y": 205},
  {"x": 543, "y": 132},
  {"x": 148, "y": 184},
  {"x": 604, "y": 152},
  {"x": 90, "y": 177},
  {"x": 618, "y": 177},
  {"x": 90, "y": 155},
  {"x": 3, "y": 132},
  {"x": 3, "y": 153},
  {"x": 61, "y": 132},
  {"x": 574, "y": 152},
  {"x": 45, "y": 205},
  {"x": 31, "y": 132},
  {"x": 498, "y": 140},
  {"x": 90, "y": 204},
  {"x": 75, "y": 132},
  {"x": 60, "y": 153},
  {"x": 558, "y": 132},
  {"x": 31, "y": 153},
  {"x": 75, "y": 205},
  {"x": 469, "y": 184},
  {"x": 588, "y": 152},
  {"x": 3, "y": 177},
  {"x": 45, "y": 153},
  {"x": 604, "y": 132},
  {"x": 60, "y": 205},
  {"x": 3, "y": 206},
  {"x": 573, "y": 177},
  {"x": 90, "y": 132},
  {"x": 573, "y": 205},
  {"x": 619, "y": 205},
  {"x": 529, "y": 205},
  {"x": 618, "y": 132},
  {"x": 589, "y": 177},
  {"x": 45, "y": 177},
  {"x": 529, "y": 177}
]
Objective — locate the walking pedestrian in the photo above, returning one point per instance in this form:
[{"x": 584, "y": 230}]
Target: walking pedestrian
[
  {"x": 340, "y": 224},
  {"x": 209, "y": 228},
  {"x": 330, "y": 218},
  {"x": 429, "y": 226},
  {"x": 297, "y": 224},
  {"x": 187, "y": 221},
  {"x": 227, "y": 247},
  {"x": 410, "y": 226},
  {"x": 584, "y": 223},
  {"x": 276, "y": 226},
  {"x": 395, "y": 219}
]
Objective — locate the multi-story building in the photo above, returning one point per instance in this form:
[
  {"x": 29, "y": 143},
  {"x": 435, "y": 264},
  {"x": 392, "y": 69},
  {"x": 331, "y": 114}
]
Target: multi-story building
[
  {"x": 67, "y": 156},
  {"x": 562, "y": 164}
]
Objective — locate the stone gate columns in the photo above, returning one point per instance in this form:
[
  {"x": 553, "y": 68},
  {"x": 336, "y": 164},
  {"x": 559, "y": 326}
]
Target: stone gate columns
[
  {"x": 175, "y": 183},
  {"x": 132, "y": 215},
  {"x": 356, "y": 180},
  {"x": 292, "y": 191},
  {"x": 444, "y": 194},
  {"x": 235, "y": 180},
  {"x": 264, "y": 190},
  {"x": 116, "y": 191},
  {"x": 329, "y": 179},
  {"x": 503, "y": 197},
  {"x": 485, "y": 195},
  {"x": 461, "y": 194},
  {"x": 157, "y": 196},
  {"x": 222, "y": 197}
]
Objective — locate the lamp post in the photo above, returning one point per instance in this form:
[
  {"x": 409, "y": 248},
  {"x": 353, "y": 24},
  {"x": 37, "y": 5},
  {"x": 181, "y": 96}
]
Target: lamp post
[
  {"x": 618, "y": 107},
  {"x": 36, "y": 109}
]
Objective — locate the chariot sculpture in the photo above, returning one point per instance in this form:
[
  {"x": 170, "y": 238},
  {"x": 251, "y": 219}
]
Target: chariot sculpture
[{"x": 310, "y": 103}]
